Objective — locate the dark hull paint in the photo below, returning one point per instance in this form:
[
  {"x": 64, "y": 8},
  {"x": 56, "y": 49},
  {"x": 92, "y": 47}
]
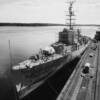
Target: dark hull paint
[
  {"x": 38, "y": 73},
  {"x": 36, "y": 76}
]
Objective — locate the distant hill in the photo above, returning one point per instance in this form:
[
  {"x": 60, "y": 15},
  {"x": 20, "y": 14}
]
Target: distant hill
[
  {"x": 43, "y": 24},
  {"x": 30, "y": 24}
]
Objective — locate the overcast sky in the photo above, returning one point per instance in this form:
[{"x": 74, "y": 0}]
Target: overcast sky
[{"x": 48, "y": 11}]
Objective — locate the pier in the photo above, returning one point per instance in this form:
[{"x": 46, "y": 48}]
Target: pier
[{"x": 84, "y": 86}]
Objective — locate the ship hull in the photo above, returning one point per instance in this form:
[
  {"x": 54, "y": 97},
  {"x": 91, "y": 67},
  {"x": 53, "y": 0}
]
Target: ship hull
[
  {"x": 40, "y": 71},
  {"x": 39, "y": 74},
  {"x": 31, "y": 78}
]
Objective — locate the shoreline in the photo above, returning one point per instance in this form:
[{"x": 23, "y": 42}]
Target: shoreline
[{"x": 43, "y": 24}]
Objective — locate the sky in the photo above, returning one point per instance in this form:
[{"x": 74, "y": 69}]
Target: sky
[{"x": 48, "y": 11}]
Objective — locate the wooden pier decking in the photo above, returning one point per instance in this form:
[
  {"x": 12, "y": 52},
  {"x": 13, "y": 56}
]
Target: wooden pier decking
[{"x": 87, "y": 86}]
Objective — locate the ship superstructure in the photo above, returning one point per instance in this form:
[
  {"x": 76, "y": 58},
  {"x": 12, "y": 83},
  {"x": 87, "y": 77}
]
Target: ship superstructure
[
  {"x": 68, "y": 35},
  {"x": 70, "y": 15}
]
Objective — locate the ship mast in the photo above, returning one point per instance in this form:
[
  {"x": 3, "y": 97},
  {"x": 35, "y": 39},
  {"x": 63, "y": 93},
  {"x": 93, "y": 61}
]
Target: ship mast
[
  {"x": 10, "y": 55},
  {"x": 71, "y": 14}
]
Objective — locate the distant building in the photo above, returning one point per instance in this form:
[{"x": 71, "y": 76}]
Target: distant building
[{"x": 97, "y": 35}]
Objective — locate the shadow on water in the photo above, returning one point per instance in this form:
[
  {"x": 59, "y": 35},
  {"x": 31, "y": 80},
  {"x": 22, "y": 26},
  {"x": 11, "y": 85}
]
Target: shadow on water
[{"x": 52, "y": 87}]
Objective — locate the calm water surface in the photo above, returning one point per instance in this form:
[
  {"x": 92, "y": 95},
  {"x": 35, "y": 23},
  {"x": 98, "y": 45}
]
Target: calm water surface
[{"x": 25, "y": 41}]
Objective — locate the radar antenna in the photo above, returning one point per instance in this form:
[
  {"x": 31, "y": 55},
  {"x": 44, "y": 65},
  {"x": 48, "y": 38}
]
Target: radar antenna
[{"x": 70, "y": 14}]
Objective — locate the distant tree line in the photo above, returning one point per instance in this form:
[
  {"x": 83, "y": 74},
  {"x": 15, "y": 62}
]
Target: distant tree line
[
  {"x": 41, "y": 24},
  {"x": 30, "y": 24}
]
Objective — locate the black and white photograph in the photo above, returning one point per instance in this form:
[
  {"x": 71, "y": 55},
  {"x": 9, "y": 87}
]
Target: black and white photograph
[{"x": 49, "y": 49}]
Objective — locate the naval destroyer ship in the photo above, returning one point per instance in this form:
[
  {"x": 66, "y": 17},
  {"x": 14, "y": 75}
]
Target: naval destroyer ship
[{"x": 37, "y": 68}]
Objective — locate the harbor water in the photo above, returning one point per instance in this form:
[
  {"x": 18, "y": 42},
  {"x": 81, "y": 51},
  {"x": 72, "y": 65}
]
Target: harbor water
[{"x": 25, "y": 41}]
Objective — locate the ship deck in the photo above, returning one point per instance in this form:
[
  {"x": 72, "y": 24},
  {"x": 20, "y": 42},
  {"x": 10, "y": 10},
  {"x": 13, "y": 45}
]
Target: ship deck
[{"x": 31, "y": 63}]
